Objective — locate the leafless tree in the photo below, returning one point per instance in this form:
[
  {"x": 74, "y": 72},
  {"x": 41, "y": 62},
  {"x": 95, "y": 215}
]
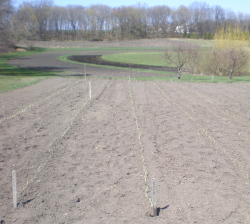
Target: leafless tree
[
  {"x": 43, "y": 11},
  {"x": 74, "y": 18},
  {"x": 57, "y": 22},
  {"x": 182, "y": 15},
  {"x": 35, "y": 16},
  {"x": 99, "y": 19},
  {"x": 6, "y": 12},
  {"x": 139, "y": 21},
  {"x": 232, "y": 60},
  {"x": 219, "y": 15},
  {"x": 25, "y": 17},
  {"x": 177, "y": 56},
  {"x": 200, "y": 15},
  {"x": 132, "y": 21},
  {"x": 193, "y": 58},
  {"x": 160, "y": 19}
]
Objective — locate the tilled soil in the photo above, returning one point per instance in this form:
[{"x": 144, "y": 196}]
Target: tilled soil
[
  {"x": 81, "y": 160},
  {"x": 97, "y": 60},
  {"x": 92, "y": 161}
]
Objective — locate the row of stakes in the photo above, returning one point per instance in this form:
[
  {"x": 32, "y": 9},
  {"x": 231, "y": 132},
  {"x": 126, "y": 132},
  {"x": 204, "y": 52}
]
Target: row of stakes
[{"x": 14, "y": 175}]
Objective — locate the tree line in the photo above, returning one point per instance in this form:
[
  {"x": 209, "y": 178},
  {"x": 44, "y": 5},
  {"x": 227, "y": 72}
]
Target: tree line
[{"x": 42, "y": 20}]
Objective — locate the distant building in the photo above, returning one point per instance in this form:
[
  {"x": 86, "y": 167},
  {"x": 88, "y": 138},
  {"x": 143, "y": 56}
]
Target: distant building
[{"x": 182, "y": 29}]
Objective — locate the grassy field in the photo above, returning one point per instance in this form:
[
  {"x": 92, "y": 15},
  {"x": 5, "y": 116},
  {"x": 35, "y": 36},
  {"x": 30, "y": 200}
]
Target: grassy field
[{"x": 145, "y": 58}]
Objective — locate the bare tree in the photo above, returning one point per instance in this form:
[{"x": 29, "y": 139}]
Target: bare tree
[
  {"x": 74, "y": 14},
  {"x": 182, "y": 15},
  {"x": 160, "y": 19},
  {"x": 219, "y": 15},
  {"x": 43, "y": 11},
  {"x": 99, "y": 19},
  {"x": 177, "y": 56},
  {"x": 122, "y": 15},
  {"x": 232, "y": 60},
  {"x": 26, "y": 16},
  {"x": 200, "y": 15},
  {"x": 132, "y": 21},
  {"x": 6, "y": 11},
  {"x": 35, "y": 16},
  {"x": 193, "y": 58},
  {"x": 58, "y": 22},
  {"x": 138, "y": 27}
]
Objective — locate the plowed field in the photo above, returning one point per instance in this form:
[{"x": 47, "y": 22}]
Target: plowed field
[{"x": 81, "y": 160}]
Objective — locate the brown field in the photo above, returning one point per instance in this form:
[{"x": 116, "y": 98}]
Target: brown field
[{"x": 92, "y": 161}]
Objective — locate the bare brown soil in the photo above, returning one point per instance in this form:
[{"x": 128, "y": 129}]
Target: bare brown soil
[
  {"x": 97, "y": 60},
  {"x": 92, "y": 161}
]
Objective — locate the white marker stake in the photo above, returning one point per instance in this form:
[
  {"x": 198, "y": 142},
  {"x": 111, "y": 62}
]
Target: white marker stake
[
  {"x": 85, "y": 71},
  {"x": 14, "y": 186},
  {"x": 154, "y": 208},
  {"x": 90, "y": 93}
]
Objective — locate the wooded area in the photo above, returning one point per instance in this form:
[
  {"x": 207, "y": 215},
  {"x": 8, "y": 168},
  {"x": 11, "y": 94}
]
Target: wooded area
[{"x": 42, "y": 20}]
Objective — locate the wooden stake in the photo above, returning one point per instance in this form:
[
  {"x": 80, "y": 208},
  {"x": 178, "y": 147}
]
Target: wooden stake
[
  {"x": 154, "y": 207},
  {"x": 90, "y": 91},
  {"x": 85, "y": 71},
  {"x": 14, "y": 187}
]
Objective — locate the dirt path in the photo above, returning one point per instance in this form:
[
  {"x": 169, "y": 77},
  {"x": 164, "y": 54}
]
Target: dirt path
[{"x": 92, "y": 161}]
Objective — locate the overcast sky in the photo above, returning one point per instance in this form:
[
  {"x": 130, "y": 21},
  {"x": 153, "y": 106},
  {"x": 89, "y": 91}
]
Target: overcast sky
[{"x": 234, "y": 5}]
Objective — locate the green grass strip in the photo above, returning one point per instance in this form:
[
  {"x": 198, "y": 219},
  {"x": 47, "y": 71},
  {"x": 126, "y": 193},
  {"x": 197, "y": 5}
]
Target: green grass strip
[{"x": 143, "y": 58}]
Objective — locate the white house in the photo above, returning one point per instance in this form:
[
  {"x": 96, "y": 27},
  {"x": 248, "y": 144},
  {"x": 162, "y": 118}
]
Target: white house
[{"x": 182, "y": 28}]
